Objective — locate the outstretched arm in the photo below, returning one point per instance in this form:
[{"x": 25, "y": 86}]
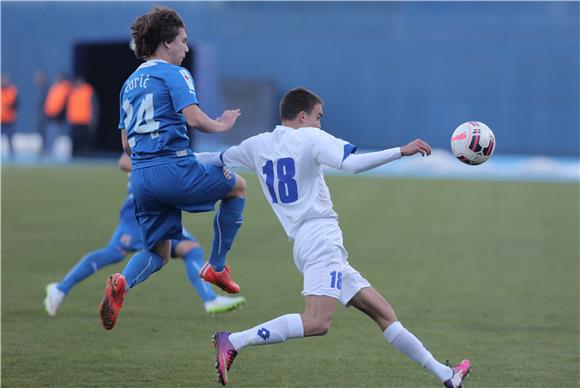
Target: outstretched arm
[
  {"x": 196, "y": 118},
  {"x": 209, "y": 158},
  {"x": 239, "y": 156},
  {"x": 356, "y": 163}
]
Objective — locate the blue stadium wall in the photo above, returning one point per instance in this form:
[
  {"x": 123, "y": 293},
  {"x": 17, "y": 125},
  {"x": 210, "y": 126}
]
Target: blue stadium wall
[{"x": 388, "y": 71}]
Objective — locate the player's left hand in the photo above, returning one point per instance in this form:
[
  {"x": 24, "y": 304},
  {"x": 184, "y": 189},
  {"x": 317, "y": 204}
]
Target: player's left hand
[
  {"x": 229, "y": 117},
  {"x": 416, "y": 146}
]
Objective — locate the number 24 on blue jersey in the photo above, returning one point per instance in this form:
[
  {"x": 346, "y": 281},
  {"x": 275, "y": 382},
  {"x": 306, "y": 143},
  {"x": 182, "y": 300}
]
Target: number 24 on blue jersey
[{"x": 145, "y": 122}]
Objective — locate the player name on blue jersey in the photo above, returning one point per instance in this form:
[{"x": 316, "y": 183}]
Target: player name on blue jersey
[{"x": 135, "y": 82}]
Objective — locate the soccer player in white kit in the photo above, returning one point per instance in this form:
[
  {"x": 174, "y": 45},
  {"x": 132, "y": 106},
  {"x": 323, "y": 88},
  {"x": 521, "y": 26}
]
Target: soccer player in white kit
[{"x": 288, "y": 162}]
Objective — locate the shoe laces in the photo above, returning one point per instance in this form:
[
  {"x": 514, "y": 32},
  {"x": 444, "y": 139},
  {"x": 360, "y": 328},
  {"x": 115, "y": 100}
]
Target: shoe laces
[{"x": 231, "y": 356}]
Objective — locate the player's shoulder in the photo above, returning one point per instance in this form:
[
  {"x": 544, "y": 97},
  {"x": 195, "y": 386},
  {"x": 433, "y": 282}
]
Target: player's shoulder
[
  {"x": 260, "y": 138},
  {"x": 309, "y": 131},
  {"x": 168, "y": 70},
  {"x": 159, "y": 68},
  {"x": 312, "y": 131},
  {"x": 314, "y": 134},
  {"x": 253, "y": 143},
  {"x": 171, "y": 67}
]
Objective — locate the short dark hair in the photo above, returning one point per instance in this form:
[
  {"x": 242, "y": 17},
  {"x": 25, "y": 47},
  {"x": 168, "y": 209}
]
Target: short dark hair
[
  {"x": 298, "y": 100},
  {"x": 150, "y": 30}
]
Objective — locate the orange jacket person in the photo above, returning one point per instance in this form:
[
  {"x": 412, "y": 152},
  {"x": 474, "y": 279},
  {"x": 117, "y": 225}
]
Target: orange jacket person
[
  {"x": 9, "y": 102},
  {"x": 55, "y": 103},
  {"x": 55, "y": 111},
  {"x": 79, "y": 109},
  {"x": 81, "y": 112}
]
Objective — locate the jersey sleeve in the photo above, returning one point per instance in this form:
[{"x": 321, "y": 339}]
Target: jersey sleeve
[
  {"x": 122, "y": 114},
  {"x": 181, "y": 88},
  {"x": 329, "y": 150},
  {"x": 240, "y": 155}
]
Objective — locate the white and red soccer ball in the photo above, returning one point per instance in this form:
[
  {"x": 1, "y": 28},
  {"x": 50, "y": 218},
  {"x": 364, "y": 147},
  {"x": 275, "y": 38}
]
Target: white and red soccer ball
[{"x": 473, "y": 142}]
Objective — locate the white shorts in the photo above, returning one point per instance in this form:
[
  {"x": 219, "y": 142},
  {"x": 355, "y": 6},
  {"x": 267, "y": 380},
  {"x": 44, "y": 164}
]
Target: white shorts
[{"x": 320, "y": 255}]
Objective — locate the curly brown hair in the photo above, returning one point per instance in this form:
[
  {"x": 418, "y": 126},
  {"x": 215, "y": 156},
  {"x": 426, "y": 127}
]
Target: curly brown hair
[{"x": 150, "y": 30}]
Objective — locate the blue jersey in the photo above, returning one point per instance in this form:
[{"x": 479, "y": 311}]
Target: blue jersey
[{"x": 152, "y": 99}]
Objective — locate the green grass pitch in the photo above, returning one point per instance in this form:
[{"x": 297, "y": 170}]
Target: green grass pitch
[{"x": 484, "y": 270}]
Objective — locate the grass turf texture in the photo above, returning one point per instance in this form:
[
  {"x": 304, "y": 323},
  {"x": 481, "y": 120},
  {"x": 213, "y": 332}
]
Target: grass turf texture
[{"x": 485, "y": 270}]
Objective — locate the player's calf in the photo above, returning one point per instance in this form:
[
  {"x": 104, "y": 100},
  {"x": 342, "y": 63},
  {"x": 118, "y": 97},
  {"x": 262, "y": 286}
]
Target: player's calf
[{"x": 317, "y": 315}]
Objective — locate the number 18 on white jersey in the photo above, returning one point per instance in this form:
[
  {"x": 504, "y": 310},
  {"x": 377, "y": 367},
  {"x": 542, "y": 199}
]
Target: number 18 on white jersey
[{"x": 289, "y": 163}]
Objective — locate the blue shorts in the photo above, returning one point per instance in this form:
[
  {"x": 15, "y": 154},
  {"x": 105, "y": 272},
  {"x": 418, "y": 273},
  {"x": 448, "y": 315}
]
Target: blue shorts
[
  {"x": 127, "y": 237},
  {"x": 161, "y": 192}
]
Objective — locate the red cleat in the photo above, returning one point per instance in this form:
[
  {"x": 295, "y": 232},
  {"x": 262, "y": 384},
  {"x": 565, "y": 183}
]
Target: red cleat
[
  {"x": 113, "y": 300},
  {"x": 221, "y": 279}
]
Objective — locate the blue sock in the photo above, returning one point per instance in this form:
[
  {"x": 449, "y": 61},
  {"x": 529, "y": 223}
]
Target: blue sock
[
  {"x": 88, "y": 265},
  {"x": 193, "y": 261},
  {"x": 226, "y": 223},
  {"x": 141, "y": 266}
]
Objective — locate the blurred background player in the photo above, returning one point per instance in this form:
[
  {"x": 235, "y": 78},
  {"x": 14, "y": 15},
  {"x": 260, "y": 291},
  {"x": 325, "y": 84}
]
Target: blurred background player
[
  {"x": 289, "y": 163},
  {"x": 9, "y": 101},
  {"x": 157, "y": 101},
  {"x": 82, "y": 112},
  {"x": 127, "y": 238},
  {"x": 55, "y": 111},
  {"x": 42, "y": 87}
]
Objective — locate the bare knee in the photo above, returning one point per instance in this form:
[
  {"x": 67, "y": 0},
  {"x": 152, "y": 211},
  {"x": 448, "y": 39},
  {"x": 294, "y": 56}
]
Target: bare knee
[
  {"x": 315, "y": 326},
  {"x": 185, "y": 246},
  {"x": 163, "y": 249},
  {"x": 239, "y": 189},
  {"x": 323, "y": 327}
]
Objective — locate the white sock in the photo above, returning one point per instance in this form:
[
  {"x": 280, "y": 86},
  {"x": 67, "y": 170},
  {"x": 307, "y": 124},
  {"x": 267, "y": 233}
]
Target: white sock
[
  {"x": 405, "y": 342},
  {"x": 274, "y": 331}
]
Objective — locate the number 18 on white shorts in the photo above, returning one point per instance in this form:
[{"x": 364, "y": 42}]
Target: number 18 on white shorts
[{"x": 320, "y": 255}]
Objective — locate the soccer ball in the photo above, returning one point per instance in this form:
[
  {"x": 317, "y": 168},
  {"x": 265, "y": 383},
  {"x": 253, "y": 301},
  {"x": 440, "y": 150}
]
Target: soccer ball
[{"x": 473, "y": 142}]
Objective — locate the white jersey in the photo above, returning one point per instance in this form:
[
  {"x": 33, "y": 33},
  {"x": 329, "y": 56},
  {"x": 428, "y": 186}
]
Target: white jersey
[{"x": 289, "y": 164}]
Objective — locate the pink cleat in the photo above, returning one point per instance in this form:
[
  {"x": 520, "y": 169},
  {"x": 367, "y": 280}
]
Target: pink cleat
[
  {"x": 460, "y": 372},
  {"x": 224, "y": 355}
]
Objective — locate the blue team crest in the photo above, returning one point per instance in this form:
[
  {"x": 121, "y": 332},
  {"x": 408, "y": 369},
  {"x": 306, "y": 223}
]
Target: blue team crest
[
  {"x": 227, "y": 173},
  {"x": 126, "y": 239},
  {"x": 185, "y": 74}
]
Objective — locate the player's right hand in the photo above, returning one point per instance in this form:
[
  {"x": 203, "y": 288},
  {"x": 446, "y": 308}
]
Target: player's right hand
[
  {"x": 229, "y": 117},
  {"x": 416, "y": 146}
]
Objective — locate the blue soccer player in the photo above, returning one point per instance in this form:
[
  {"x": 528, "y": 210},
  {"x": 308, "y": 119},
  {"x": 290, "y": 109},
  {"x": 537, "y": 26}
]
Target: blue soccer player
[
  {"x": 127, "y": 238},
  {"x": 157, "y": 103}
]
